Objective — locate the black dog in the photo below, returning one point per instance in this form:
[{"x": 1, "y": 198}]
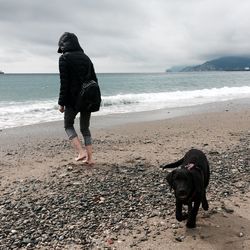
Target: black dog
[{"x": 189, "y": 184}]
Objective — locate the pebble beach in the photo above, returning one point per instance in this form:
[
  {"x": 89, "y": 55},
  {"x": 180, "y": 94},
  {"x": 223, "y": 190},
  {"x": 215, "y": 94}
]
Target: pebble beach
[{"x": 48, "y": 201}]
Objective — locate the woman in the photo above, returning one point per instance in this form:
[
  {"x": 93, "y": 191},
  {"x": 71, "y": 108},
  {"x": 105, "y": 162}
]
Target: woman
[{"x": 75, "y": 67}]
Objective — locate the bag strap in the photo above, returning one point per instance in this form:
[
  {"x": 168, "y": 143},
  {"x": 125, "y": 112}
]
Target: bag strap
[{"x": 75, "y": 71}]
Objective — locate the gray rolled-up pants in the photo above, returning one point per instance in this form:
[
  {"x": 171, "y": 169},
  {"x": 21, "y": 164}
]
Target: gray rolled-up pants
[{"x": 69, "y": 119}]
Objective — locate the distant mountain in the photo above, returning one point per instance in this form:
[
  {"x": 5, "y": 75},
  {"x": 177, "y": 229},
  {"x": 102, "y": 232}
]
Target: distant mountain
[
  {"x": 176, "y": 69},
  {"x": 230, "y": 63}
]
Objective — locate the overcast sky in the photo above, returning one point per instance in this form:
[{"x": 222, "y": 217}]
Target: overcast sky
[{"x": 122, "y": 35}]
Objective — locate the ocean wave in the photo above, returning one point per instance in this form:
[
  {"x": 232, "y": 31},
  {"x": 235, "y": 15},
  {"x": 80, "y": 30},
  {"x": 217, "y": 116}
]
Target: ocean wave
[
  {"x": 178, "y": 98},
  {"x": 13, "y": 114},
  {"x": 12, "y": 108}
]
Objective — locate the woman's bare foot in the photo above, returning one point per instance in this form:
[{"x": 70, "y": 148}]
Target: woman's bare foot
[
  {"x": 88, "y": 163},
  {"x": 89, "y": 160},
  {"x": 82, "y": 154},
  {"x": 81, "y": 157}
]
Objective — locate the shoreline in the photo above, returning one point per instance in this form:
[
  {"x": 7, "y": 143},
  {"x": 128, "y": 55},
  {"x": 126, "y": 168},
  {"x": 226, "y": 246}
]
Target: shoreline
[
  {"x": 55, "y": 128},
  {"x": 124, "y": 201}
]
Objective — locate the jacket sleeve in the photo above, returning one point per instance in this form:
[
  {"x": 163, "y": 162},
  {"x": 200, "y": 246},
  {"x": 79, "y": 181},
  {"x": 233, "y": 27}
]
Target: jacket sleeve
[{"x": 64, "y": 82}]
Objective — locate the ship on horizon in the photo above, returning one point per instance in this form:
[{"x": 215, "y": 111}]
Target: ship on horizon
[{"x": 1, "y": 72}]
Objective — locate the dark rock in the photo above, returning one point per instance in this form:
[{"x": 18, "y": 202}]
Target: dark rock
[
  {"x": 179, "y": 238},
  {"x": 227, "y": 210}
]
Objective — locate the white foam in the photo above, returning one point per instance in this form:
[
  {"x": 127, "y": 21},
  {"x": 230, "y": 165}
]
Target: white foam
[
  {"x": 16, "y": 114},
  {"x": 13, "y": 114},
  {"x": 153, "y": 101}
]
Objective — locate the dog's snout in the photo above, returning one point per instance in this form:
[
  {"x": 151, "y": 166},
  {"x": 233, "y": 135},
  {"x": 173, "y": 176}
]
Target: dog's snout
[{"x": 182, "y": 193}]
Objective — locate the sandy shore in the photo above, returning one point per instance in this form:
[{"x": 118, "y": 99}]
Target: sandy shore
[{"x": 37, "y": 168}]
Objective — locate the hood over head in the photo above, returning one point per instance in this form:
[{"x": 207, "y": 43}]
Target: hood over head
[{"x": 68, "y": 42}]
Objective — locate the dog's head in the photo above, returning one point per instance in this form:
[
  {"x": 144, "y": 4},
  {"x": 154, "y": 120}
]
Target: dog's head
[{"x": 182, "y": 182}]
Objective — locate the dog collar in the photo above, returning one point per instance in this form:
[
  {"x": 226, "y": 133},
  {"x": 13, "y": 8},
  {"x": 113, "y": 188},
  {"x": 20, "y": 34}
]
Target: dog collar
[{"x": 189, "y": 166}]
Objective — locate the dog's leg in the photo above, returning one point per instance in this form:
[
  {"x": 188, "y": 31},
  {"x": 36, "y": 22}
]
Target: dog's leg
[
  {"x": 191, "y": 223},
  {"x": 190, "y": 207},
  {"x": 204, "y": 202},
  {"x": 178, "y": 211}
]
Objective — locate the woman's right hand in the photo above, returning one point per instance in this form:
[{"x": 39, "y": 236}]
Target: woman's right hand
[{"x": 61, "y": 109}]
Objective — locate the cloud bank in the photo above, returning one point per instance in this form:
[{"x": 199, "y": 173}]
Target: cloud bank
[{"x": 122, "y": 36}]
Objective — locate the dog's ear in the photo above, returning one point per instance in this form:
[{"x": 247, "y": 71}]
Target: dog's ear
[{"x": 170, "y": 179}]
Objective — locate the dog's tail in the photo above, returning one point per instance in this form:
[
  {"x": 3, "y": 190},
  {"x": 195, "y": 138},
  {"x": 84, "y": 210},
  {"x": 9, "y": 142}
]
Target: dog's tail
[{"x": 173, "y": 165}]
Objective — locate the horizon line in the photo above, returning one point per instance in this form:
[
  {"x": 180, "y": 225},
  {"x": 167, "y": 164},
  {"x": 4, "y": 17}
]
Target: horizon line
[{"x": 19, "y": 73}]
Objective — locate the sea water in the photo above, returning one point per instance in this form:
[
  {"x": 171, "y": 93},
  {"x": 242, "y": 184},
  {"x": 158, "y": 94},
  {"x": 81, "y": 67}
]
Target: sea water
[{"x": 32, "y": 98}]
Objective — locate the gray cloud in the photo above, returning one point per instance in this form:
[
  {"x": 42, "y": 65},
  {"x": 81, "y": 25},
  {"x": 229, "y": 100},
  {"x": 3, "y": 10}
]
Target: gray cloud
[{"x": 122, "y": 36}]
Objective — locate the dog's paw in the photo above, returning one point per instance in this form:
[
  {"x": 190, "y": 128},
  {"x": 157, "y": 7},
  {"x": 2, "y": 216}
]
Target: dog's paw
[
  {"x": 179, "y": 217},
  {"x": 191, "y": 224},
  {"x": 205, "y": 206},
  {"x": 184, "y": 216}
]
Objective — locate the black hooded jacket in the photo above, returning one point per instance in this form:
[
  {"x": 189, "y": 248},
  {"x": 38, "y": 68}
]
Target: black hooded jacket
[{"x": 74, "y": 67}]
